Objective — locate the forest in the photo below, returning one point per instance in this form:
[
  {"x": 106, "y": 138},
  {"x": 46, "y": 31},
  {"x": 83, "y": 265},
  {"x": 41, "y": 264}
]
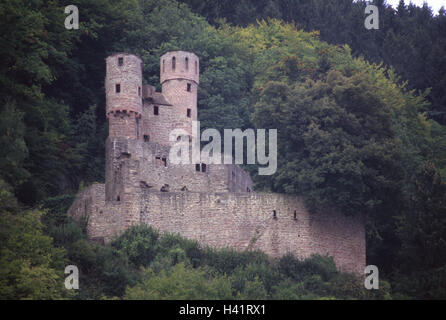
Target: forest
[{"x": 361, "y": 118}]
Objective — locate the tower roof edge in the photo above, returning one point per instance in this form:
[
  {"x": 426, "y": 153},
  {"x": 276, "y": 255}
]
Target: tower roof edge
[{"x": 123, "y": 54}]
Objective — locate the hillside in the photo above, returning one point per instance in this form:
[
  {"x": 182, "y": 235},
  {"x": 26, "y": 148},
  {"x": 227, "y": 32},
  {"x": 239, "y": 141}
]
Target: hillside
[{"x": 360, "y": 118}]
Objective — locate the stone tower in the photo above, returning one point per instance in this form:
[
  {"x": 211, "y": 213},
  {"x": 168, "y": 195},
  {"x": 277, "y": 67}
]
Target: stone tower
[
  {"x": 123, "y": 91},
  {"x": 179, "y": 77},
  {"x": 124, "y": 108}
]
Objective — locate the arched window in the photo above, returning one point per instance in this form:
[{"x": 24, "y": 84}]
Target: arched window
[
  {"x": 187, "y": 63},
  {"x": 164, "y": 67},
  {"x": 196, "y": 67},
  {"x": 173, "y": 63}
]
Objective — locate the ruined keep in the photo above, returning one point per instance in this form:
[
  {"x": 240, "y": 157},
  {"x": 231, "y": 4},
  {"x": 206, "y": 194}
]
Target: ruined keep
[{"x": 214, "y": 204}]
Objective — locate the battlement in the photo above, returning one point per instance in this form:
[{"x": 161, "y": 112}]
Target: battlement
[
  {"x": 179, "y": 65},
  {"x": 123, "y": 84}
]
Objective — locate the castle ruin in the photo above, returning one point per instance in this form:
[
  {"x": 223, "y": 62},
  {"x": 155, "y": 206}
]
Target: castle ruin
[{"x": 212, "y": 203}]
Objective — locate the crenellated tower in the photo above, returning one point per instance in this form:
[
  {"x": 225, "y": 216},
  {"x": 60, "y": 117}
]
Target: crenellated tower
[
  {"x": 123, "y": 91},
  {"x": 123, "y": 88},
  {"x": 179, "y": 77}
]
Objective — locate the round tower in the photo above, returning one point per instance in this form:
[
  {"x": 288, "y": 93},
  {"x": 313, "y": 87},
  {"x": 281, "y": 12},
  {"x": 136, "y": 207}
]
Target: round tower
[
  {"x": 123, "y": 92},
  {"x": 179, "y": 77}
]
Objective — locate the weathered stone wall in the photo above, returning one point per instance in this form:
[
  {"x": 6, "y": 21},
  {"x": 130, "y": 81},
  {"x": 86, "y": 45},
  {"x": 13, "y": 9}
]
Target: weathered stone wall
[
  {"x": 158, "y": 127},
  {"x": 176, "y": 93},
  {"x": 123, "y": 124},
  {"x": 238, "y": 220},
  {"x": 132, "y": 164}
]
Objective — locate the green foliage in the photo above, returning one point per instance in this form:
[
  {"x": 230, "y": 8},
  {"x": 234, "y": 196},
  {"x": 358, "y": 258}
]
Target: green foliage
[
  {"x": 409, "y": 38},
  {"x": 253, "y": 290},
  {"x": 30, "y": 266},
  {"x": 422, "y": 231},
  {"x": 180, "y": 283},
  {"x": 288, "y": 290},
  {"x": 227, "y": 260},
  {"x": 316, "y": 265},
  {"x": 338, "y": 145},
  {"x": 138, "y": 244},
  {"x": 12, "y": 131}
]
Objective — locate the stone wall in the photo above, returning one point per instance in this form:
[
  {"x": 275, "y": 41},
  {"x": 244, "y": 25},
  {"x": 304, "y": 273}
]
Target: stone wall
[
  {"x": 157, "y": 127},
  {"x": 123, "y": 124},
  {"x": 238, "y": 220},
  {"x": 132, "y": 164}
]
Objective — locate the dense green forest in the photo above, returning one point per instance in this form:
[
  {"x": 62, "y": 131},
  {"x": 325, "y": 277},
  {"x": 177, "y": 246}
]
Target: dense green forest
[{"x": 361, "y": 118}]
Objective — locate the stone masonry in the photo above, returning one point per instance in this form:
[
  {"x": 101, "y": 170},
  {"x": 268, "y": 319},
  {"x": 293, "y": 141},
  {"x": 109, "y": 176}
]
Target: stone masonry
[{"x": 214, "y": 204}]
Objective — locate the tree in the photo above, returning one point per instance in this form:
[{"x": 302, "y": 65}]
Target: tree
[
  {"x": 336, "y": 140},
  {"x": 180, "y": 283},
  {"x": 422, "y": 230},
  {"x": 30, "y": 266}
]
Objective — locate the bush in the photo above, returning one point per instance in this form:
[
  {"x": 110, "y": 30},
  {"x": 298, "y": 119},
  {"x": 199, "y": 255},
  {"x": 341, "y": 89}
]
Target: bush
[
  {"x": 226, "y": 261},
  {"x": 298, "y": 270},
  {"x": 139, "y": 244},
  {"x": 180, "y": 283}
]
